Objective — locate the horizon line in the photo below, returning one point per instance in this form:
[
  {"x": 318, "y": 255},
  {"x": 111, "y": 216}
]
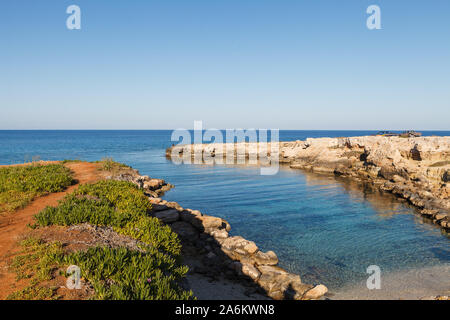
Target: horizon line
[{"x": 224, "y": 129}]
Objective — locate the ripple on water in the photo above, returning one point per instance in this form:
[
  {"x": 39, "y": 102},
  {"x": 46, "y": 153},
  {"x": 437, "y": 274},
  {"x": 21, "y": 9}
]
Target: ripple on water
[{"x": 326, "y": 229}]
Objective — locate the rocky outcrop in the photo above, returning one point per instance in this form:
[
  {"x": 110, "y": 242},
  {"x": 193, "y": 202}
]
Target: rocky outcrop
[
  {"x": 416, "y": 169},
  {"x": 152, "y": 187}
]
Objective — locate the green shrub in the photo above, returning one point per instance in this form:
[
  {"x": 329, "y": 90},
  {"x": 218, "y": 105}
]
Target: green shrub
[
  {"x": 108, "y": 164},
  {"x": 122, "y": 195},
  {"x": 122, "y": 274},
  {"x": 36, "y": 262},
  {"x": 19, "y": 185},
  {"x": 118, "y": 204},
  {"x": 119, "y": 274},
  {"x": 75, "y": 210},
  {"x": 108, "y": 203},
  {"x": 150, "y": 231}
]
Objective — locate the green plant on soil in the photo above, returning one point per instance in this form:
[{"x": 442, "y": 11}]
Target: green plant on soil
[
  {"x": 36, "y": 262},
  {"x": 115, "y": 274},
  {"x": 153, "y": 273},
  {"x": 123, "y": 274},
  {"x": 21, "y": 184},
  {"x": 108, "y": 164},
  {"x": 71, "y": 161}
]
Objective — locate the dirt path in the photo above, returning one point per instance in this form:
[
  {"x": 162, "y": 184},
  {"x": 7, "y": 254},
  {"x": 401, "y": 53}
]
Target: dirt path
[{"x": 14, "y": 225}]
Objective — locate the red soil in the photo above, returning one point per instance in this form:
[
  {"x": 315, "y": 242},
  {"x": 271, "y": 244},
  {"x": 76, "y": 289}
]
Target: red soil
[{"x": 13, "y": 226}]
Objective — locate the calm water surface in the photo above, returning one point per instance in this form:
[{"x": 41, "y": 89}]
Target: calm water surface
[{"x": 325, "y": 229}]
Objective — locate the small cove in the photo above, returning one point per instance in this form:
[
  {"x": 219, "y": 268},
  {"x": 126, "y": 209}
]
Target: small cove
[{"x": 326, "y": 229}]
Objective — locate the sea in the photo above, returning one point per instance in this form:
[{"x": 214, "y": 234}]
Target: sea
[{"x": 327, "y": 229}]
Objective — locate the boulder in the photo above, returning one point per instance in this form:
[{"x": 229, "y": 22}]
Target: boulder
[
  {"x": 154, "y": 200},
  {"x": 279, "y": 284},
  {"x": 300, "y": 289},
  {"x": 429, "y": 212},
  {"x": 167, "y": 216},
  {"x": 189, "y": 215},
  {"x": 265, "y": 258},
  {"x": 250, "y": 271},
  {"x": 271, "y": 270},
  {"x": 174, "y": 205},
  {"x": 159, "y": 207},
  {"x": 250, "y": 247},
  {"x": 165, "y": 188},
  {"x": 185, "y": 230},
  {"x": 238, "y": 248},
  {"x": 153, "y": 184},
  {"x": 151, "y": 194},
  {"x": 316, "y": 292},
  {"x": 204, "y": 222},
  {"x": 219, "y": 234}
]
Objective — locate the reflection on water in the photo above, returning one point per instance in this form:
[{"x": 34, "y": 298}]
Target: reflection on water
[
  {"x": 327, "y": 229},
  {"x": 385, "y": 205}
]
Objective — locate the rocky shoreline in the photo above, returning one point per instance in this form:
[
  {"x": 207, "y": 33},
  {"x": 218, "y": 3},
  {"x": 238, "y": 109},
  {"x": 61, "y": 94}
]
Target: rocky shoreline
[
  {"x": 415, "y": 169},
  {"x": 211, "y": 252}
]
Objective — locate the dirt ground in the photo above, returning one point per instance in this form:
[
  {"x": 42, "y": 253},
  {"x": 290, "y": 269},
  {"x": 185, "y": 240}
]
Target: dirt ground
[{"x": 14, "y": 226}]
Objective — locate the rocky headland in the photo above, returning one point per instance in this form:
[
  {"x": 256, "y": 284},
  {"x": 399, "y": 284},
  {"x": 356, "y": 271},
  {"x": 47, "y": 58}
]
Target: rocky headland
[{"x": 415, "y": 169}]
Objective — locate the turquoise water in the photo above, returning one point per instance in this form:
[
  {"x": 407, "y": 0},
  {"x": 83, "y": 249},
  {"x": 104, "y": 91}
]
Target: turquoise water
[{"x": 326, "y": 229}]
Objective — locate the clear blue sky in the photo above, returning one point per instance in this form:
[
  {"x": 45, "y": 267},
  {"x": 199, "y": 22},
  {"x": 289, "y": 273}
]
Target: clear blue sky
[{"x": 309, "y": 64}]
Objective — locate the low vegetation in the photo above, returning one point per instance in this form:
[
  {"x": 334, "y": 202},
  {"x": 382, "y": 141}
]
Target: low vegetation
[
  {"x": 21, "y": 184},
  {"x": 108, "y": 164},
  {"x": 115, "y": 274},
  {"x": 71, "y": 161},
  {"x": 154, "y": 272},
  {"x": 123, "y": 274},
  {"x": 36, "y": 262}
]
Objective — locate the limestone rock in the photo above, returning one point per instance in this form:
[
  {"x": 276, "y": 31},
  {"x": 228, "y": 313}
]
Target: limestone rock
[
  {"x": 174, "y": 205},
  {"x": 250, "y": 271},
  {"x": 154, "y": 200},
  {"x": 316, "y": 292},
  {"x": 185, "y": 230},
  {"x": 219, "y": 234},
  {"x": 153, "y": 184},
  {"x": 167, "y": 216},
  {"x": 412, "y": 168},
  {"x": 237, "y": 247},
  {"x": 279, "y": 284},
  {"x": 204, "y": 222},
  {"x": 267, "y": 258}
]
